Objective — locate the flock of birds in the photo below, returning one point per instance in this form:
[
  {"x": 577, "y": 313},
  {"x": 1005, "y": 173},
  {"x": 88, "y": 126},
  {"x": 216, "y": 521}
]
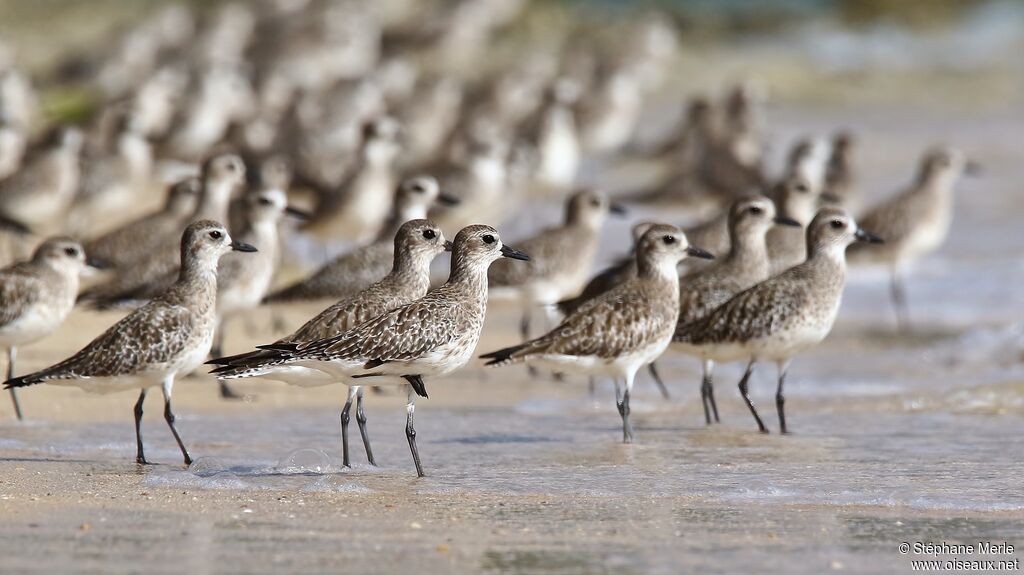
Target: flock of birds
[{"x": 363, "y": 123}]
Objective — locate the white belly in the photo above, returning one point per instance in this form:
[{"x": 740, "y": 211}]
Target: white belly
[{"x": 36, "y": 323}]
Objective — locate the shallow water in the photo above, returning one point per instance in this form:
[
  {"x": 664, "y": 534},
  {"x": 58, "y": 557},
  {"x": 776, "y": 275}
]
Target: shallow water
[{"x": 895, "y": 438}]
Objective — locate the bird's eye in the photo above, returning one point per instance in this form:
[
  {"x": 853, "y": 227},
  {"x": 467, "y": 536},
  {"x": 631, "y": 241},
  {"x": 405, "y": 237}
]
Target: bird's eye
[
  {"x": 265, "y": 201},
  {"x": 801, "y": 187},
  {"x": 429, "y": 234},
  {"x": 418, "y": 189},
  {"x": 837, "y": 224},
  {"x": 669, "y": 240},
  {"x": 71, "y": 252},
  {"x": 488, "y": 239},
  {"x": 755, "y": 209},
  {"x": 216, "y": 234},
  {"x": 595, "y": 202}
]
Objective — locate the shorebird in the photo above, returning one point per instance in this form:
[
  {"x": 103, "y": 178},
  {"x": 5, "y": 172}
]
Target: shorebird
[
  {"x": 560, "y": 258},
  {"x": 243, "y": 280},
  {"x": 556, "y": 138},
  {"x": 360, "y": 207},
  {"x": 353, "y": 271},
  {"x": 840, "y": 181},
  {"x": 152, "y": 274},
  {"x": 416, "y": 244},
  {"x": 36, "y": 296},
  {"x": 621, "y": 330},
  {"x": 915, "y": 221},
  {"x": 169, "y": 336},
  {"x": 745, "y": 264},
  {"x": 112, "y": 182},
  {"x": 432, "y": 336},
  {"x": 615, "y": 274},
  {"x": 784, "y": 315},
  {"x": 798, "y": 200},
  {"x": 138, "y": 239},
  {"x": 37, "y": 197}
]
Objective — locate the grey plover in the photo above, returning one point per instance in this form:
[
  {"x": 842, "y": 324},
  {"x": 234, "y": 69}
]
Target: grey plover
[
  {"x": 797, "y": 199},
  {"x": 560, "y": 258},
  {"x": 243, "y": 279},
  {"x": 745, "y": 264},
  {"x": 416, "y": 244},
  {"x": 36, "y": 296},
  {"x": 169, "y": 336},
  {"x": 621, "y": 330},
  {"x": 361, "y": 206},
  {"x": 840, "y": 177},
  {"x": 556, "y": 138},
  {"x": 615, "y": 274},
  {"x": 354, "y": 271},
  {"x": 432, "y": 336},
  {"x": 148, "y": 276},
  {"x": 915, "y": 221},
  {"x": 783, "y": 315},
  {"x": 138, "y": 239},
  {"x": 37, "y": 197}
]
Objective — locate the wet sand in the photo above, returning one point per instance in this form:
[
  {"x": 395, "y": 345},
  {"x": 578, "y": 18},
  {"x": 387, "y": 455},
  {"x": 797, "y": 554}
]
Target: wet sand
[{"x": 896, "y": 438}]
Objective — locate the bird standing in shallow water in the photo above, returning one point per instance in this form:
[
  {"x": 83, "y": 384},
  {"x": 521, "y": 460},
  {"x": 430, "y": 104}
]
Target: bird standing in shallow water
[
  {"x": 417, "y": 243},
  {"x": 783, "y": 315},
  {"x": 169, "y": 336},
  {"x": 915, "y": 221},
  {"x": 623, "y": 329},
  {"x": 36, "y": 296},
  {"x": 432, "y": 336}
]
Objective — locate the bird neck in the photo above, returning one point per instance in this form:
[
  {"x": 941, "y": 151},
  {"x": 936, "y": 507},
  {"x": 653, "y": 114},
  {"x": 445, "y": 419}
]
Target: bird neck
[
  {"x": 197, "y": 277},
  {"x": 748, "y": 247},
  {"x": 468, "y": 273},
  {"x": 412, "y": 268},
  {"x": 215, "y": 201},
  {"x": 657, "y": 269}
]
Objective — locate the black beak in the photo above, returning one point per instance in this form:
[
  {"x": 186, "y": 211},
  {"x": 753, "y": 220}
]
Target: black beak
[
  {"x": 784, "y": 221},
  {"x": 242, "y": 247},
  {"x": 97, "y": 263},
  {"x": 513, "y": 253},
  {"x": 972, "y": 168},
  {"x": 618, "y": 209},
  {"x": 298, "y": 214},
  {"x": 448, "y": 199},
  {"x": 694, "y": 251},
  {"x": 863, "y": 235},
  {"x": 448, "y": 246}
]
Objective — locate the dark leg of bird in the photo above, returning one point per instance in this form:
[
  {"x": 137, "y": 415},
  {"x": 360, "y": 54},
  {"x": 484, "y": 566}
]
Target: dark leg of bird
[
  {"x": 361, "y": 420},
  {"x": 653, "y": 368},
  {"x": 780, "y": 403},
  {"x": 169, "y": 416},
  {"x": 410, "y": 431},
  {"x": 344, "y": 432},
  {"x": 627, "y": 427},
  {"x": 217, "y": 350},
  {"x": 12, "y": 352},
  {"x": 524, "y": 325},
  {"x": 591, "y": 385},
  {"x": 711, "y": 399},
  {"x": 140, "y": 456},
  {"x": 744, "y": 382},
  {"x": 705, "y": 388},
  {"x": 899, "y": 302}
]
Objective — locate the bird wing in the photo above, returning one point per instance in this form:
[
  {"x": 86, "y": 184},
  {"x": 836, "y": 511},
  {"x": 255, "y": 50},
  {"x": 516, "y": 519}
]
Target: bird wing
[
  {"x": 17, "y": 292},
  {"x": 146, "y": 339},
  {"x": 548, "y": 253}
]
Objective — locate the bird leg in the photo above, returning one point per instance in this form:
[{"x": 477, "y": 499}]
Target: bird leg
[
  {"x": 744, "y": 381},
  {"x": 623, "y": 404},
  {"x": 780, "y": 399},
  {"x": 410, "y": 431},
  {"x": 344, "y": 427},
  {"x": 140, "y": 456},
  {"x": 12, "y": 352},
  {"x": 653, "y": 368},
  {"x": 226, "y": 391},
  {"x": 169, "y": 417},
  {"x": 708, "y": 388},
  {"x": 361, "y": 420},
  {"x": 899, "y": 302}
]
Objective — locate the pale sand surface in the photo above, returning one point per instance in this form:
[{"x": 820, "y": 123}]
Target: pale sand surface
[{"x": 896, "y": 438}]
